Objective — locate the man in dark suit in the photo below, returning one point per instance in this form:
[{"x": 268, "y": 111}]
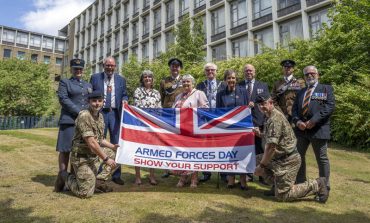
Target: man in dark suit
[
  {"x": 114, "y": 87},
  {"x": 210, "y": 87},
  {"x": 254, "y": 88},
  {"x": 311, "y": 113}
]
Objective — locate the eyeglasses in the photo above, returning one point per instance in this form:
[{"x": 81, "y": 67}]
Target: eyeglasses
[
  {"x": 310, "y": 73},
  {"x": 210, "y": 70}
]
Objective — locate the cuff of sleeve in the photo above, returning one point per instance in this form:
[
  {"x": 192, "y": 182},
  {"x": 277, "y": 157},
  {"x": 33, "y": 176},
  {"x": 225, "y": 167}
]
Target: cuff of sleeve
[{"x": 88, "y": 134}]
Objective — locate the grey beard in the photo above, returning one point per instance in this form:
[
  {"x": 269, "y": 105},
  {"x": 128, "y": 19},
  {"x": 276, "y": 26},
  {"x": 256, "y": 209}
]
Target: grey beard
[{"x": 311, "y": 82}]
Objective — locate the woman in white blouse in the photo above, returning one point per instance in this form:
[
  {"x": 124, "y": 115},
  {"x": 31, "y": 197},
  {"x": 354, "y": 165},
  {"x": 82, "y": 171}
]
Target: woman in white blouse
[
  {"x": 190, "y": 98},
  {"x": 146, "y": 97}
]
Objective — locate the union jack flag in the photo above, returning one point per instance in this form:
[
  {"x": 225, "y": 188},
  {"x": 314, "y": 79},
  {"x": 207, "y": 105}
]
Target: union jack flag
[{"x": 194, "y": 136}]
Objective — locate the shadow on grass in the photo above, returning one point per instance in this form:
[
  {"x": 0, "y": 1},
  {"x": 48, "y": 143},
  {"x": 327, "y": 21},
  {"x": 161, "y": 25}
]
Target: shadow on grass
[
  {"x": 361, "y": 180},
  {"x": 228, "y": 213},
  {"x": 10, "y": 214},
  {"x": 47, "y": 180}
]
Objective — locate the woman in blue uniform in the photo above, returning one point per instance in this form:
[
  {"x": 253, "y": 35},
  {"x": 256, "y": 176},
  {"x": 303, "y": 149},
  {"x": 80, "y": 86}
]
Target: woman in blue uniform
[{"x": 72, "y": 94}]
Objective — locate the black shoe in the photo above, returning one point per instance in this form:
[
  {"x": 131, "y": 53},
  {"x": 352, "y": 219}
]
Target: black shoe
[
  {"x": 270, "y": 193},
  {"x": 118, "y": 181},
  {"x": 243, "y": 187},
  {"x": 166, "y": 175},
  {"x": 205, "y": 178},
  {"x": 230, "y": 186},
  {"x": 250, "y": 177},
  {"x": 323, "y": 193},
  {"x": 262, "y": 181},
  {"x": 60, "y": 181}
]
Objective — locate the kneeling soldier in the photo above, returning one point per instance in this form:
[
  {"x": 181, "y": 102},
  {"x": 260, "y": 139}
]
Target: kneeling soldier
[
  {"x": 88, "y": 146},
  {"x": 280, "y": 162}
]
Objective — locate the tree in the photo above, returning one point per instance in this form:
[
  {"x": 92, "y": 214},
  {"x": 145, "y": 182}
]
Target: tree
[{"x": 25, "y": 88}]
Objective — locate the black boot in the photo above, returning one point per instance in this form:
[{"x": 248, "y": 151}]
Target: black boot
[
  {"x": 323, "y": 193},
  {"x": 270, "y": 192},
  {"x": 60, "y": 181}
]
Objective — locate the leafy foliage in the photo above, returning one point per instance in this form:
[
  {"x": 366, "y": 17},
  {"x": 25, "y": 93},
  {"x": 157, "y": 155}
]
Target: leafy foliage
[{"x": 25, "y": 88}]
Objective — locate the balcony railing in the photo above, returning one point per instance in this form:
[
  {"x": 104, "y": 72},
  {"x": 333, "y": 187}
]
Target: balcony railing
[
  {"x": 239, "y": 28},
  {"x": 218, "y": 36},
  {"x": 262, "y": 20},
  {"x": 313, "y": 2},
  {"x": 289, "y": 9}
]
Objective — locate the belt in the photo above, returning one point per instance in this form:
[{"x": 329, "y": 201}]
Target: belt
[
  {"x": 79, "y": 155},
  {"x": 108, "y": 109}
]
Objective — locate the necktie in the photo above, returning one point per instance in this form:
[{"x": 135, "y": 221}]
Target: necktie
[
  {"x": 249, "y": 84},
  {"x": 108, "y": 95},
  {"x": 306, "y": 100}
]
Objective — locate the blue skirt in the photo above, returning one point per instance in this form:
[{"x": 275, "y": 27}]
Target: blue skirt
[{"x": 65, "y": 136}]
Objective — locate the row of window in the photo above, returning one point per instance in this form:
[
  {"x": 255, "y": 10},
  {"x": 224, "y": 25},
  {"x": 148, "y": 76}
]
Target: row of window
[{"x": 21, "y": 55}]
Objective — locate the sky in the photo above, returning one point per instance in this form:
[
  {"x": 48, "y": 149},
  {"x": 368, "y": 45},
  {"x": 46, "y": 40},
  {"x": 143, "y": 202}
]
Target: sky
[{"x": 43, "y": 16}]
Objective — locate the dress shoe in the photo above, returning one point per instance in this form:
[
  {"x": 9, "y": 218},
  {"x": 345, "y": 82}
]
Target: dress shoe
[
  {"x": 250, "y": 177},
  {"x": 153, "y": 182},
  {"x": 270, "y": 192},
  {"x": 118, "y": 181},
  {"x": 205, "y": 178}
]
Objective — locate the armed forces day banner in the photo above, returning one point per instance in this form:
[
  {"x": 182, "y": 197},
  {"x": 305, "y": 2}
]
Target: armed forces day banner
[{"x": 194, "y": 139}]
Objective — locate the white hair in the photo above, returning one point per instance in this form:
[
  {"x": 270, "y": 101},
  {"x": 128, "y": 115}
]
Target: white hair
[
  {"x": 214, "y": 66},
  {"x": 310, "y": 67},
  {"x": 189, "y": 77}
]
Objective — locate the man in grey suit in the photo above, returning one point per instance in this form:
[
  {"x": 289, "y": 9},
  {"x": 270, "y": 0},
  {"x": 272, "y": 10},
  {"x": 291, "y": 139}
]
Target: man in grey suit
[{"x": 311, "y": 113}]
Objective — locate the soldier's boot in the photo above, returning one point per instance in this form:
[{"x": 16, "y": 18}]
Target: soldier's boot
[
  {"x": 270, "y": 192},
  {"x": 102, "y": 187},
  {"x": 323, "y": 193},
  {"x": 60, "y": 181}
]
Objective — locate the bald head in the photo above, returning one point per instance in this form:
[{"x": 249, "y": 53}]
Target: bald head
[{"x": 249, "y": 72}]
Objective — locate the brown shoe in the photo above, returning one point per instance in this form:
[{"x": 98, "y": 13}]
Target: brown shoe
[
  {"x": 101, "y": 186},
  {"x": 60, "y": 181},
  {"x": 323, "y": 193}
]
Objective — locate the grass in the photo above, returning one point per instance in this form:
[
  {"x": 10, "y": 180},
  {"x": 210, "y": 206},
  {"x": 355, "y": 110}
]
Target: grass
[{"x": 28, "y": 164}]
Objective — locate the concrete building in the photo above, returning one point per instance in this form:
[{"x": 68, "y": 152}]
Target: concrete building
[
  {"x": 234, "y": 28},
  {"x": 40, "y": 48}
]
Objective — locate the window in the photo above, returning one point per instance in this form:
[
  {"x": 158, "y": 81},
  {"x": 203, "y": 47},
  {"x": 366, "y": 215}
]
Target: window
[
  {"x": 95, "y": 31},
  {"x": 109, "y": 21},
  {"x": 263, "y": 38},
  {"x": 96, "y": 10},
  {"x": 83, "y": 40},
  {"x": 88, "y": 55},
  {"x": 21, "y": 55},
  {"x": 286, "y": 3},
  {"x": 116, "y": 40},
  {"x": 102, "y": 27},
  {"x": 59, "y": 61},
  {"x": 47, "y": 59},
  {"x": 290, "y": 30},
  {"x": 170, "y": 10},
  {"x": 78, "y": 24},
  {"x": 170, "y": 39},
  {"x": 146, "y": 3},
  {"x": 125, "y": 36},
  {"x": 240, "y": 47},
  {"x": 34, "y": 58},
  {"x": 183, "y": 7},
  {"x": 22, "y": 38},
  {"x": 126, "y": 10},
  {"x": 218, "y": 21},
  {"x": 101, "y": 48},
  {"x": 102, "y": 6},
  {"x": 109, "y": 43},
  {"x": 316, "y": 21},
  {"x": 198, "y": 3},
  {"x": 204, "y": 20},
  {"x": 94, "y": 52},
  {"x": 35, "y": 40},
  {"x": 135, "y": 7},
  {"x": 125, "y": 57},
  {"x": 59, "y": 45},
  {"x": 156, "y": 46},
  {"x": 144, "y": 49},
  {"x": 7, "y": 53},
  {"x": 238, "y": 12},
  {"x": 157, "y": 18},
  {"x": 116, "y": 58},
  {"x": 134, "y": 51},
  {"x": 135, "y": 33},
  {"x": 90, "y": 14},
  {"x": 47, "y": 43},
  {"x": 261, "y": 8},
  {"x": 117, "y": 13},
  {"x": 8, "y": 35},
  {"x": 219, "y": 52},
  {"x": 146, "y": 24}
]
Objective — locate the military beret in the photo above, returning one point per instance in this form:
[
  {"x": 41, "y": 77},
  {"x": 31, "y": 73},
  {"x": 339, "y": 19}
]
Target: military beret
[
  {"x": 287, "y": 63},
  {"x": 95, "y": 95},
  {"x": 175, "y": 61},
  {"x": 77, "y": 63},
  {"x": 264, "y": 96}
]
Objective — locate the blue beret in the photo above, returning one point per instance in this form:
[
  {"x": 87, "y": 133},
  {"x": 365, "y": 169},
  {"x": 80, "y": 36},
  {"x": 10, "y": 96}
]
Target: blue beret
[
  {"x": 77, "y": 63},
  {"x": 95, "y": 95},
  {"x": 287, "y": 63}
]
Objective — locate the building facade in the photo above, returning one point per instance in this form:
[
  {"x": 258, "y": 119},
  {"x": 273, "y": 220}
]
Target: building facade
[
  {"x": 40, "y": 48},
  {"x": 233, "y": 28}
]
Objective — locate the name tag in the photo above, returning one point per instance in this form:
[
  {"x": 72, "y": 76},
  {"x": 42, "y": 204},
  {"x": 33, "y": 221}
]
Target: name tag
[{"x": 319, "y": 96}]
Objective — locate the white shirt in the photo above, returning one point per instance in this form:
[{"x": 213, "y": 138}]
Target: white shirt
[
  {"x": 287, "y": 79},
  {"x": 113, "y": 95}
]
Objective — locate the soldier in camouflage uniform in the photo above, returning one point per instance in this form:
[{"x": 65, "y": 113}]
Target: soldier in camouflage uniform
[
  {"x": 170, "y": 87},
  {"x": 87, "y": 146},
  {"x": 284, "y": 90},
  {"x": 281, "y": 161}
]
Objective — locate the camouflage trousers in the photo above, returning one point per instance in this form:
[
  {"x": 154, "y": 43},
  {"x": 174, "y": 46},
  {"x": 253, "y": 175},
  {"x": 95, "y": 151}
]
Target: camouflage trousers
[
  {"x": 82, "y": 181},
  {"x": 282, "y": 173}
]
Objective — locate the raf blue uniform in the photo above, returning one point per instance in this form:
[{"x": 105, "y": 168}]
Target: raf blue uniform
[
  {"x": 112, "y": 116},
  {"x": 320, "y": 108},
  {"x": 72, "y": 94}
]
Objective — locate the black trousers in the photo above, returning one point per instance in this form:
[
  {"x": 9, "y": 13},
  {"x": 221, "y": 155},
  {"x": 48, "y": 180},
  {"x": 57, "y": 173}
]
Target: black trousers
[{"x": 320, "y": 148}]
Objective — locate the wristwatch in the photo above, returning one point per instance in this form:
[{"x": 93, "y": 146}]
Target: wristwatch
[{"x": 106, "y": 159}]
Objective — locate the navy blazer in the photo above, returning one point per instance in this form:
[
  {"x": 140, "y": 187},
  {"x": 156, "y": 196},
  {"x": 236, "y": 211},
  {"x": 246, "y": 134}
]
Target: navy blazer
[
  {"x": 97, "y": 82},
  {"x": 72, "y": 96},
  {"x": 223, "y": 99},
  {"x": 258, "y": 88},
  {"x": 320, "y": 108}
]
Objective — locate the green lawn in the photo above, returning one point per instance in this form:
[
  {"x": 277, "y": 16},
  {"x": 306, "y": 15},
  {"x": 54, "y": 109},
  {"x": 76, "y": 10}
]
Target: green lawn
[{"x": 28, "y": 164}]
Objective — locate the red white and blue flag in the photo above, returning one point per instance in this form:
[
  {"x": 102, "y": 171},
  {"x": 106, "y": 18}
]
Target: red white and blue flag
[{"x": 194, "y": 139}]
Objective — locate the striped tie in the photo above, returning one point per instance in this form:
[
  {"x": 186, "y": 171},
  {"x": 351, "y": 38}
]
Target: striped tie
[
  {"x": 249, "y": 84},
  {"x": 306, "y": 100}
]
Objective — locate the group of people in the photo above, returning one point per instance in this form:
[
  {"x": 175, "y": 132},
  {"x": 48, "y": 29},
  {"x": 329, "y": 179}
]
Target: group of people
[{"x": 295, "y": 115}]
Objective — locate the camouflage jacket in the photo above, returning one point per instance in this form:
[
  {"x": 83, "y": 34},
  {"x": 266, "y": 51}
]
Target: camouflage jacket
[{"x": 169, "y": 89}]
